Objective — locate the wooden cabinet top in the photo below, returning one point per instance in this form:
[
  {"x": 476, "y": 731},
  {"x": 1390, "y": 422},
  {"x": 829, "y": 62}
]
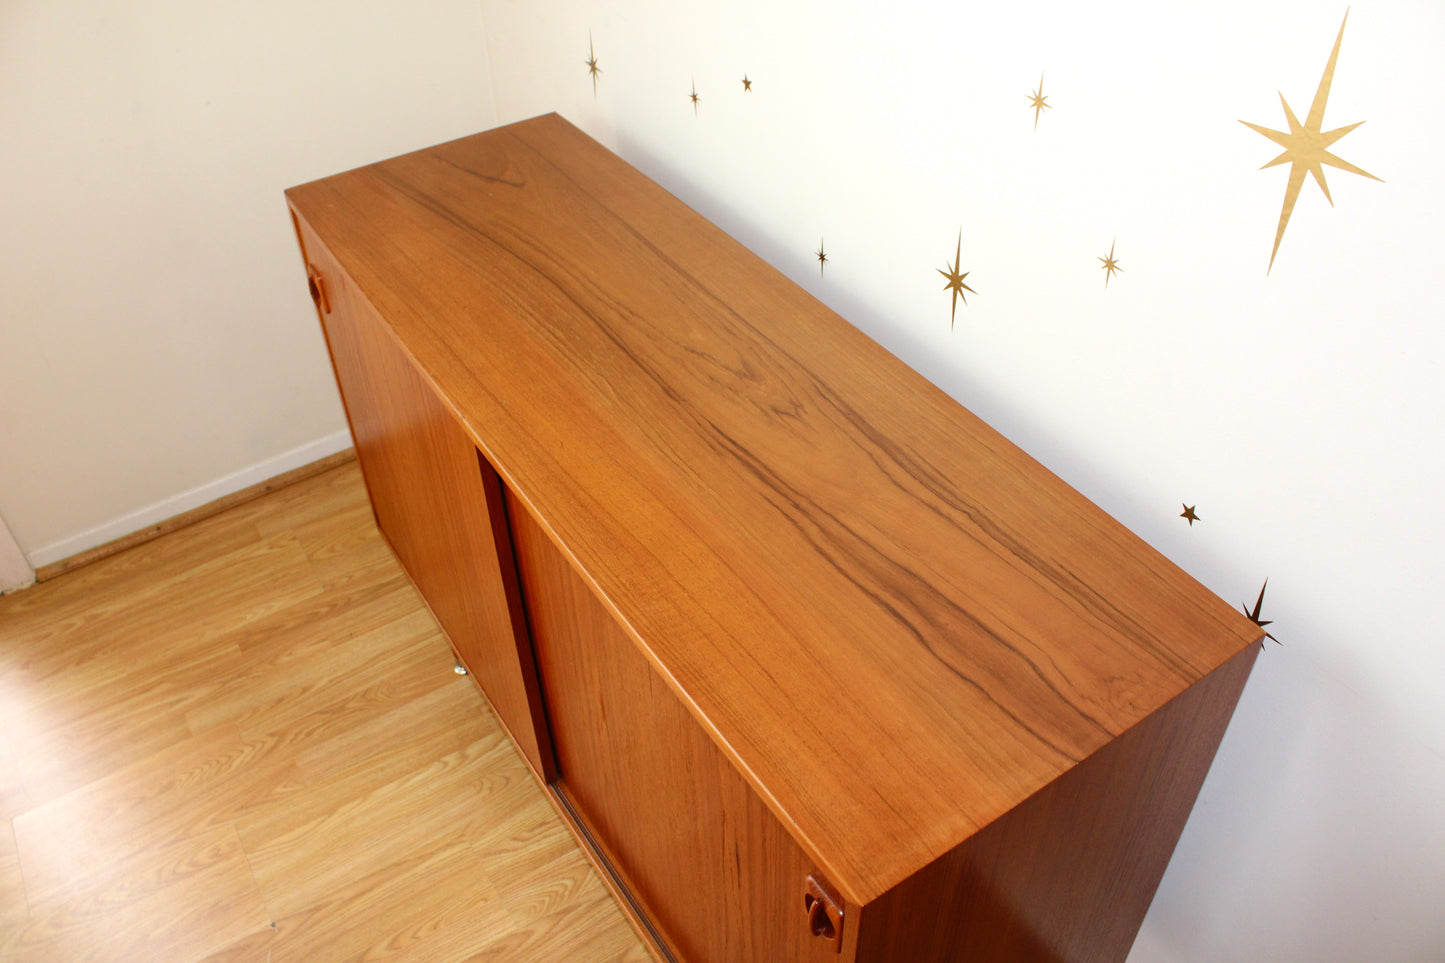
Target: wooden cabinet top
[{"x": 895, "y": 623}]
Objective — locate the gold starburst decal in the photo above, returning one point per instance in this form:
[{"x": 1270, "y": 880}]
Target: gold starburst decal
[
  {"x": 1304, "y": 145},
  {"x": 822, "y": 257},
  {"x": 1111, "y": 264},
  {"x": 694, "y": 98},
  {"x": 1038, "y": 101},
  {"x": 955, "y": 281},
  {"x": 592, "y": 67},
  {"x": 1255, "y": 616}
]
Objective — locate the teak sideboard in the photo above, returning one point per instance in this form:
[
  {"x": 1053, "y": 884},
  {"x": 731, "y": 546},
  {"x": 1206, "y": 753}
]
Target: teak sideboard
[{"x": 816, "y": 665}]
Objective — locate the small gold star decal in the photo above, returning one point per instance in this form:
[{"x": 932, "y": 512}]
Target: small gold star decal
[
  {"x": 955, "y": 281},
  {"x": 1110, "y": 265},
  {"x": 747, "y": 84},
  {"x": 822, "y": 257},
  {"x": 1304, "y": 145},
  {"x": 1189, "y": 514},
  {"x": 1254, "y": 616},
  {"x": 592, "y": 67},
  {"x": 693, "y": 97},
  {"x": 1038, "y": 101}
]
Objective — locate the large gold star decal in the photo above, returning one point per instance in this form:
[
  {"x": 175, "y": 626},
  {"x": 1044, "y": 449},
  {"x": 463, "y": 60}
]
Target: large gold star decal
[
  {"x": 747, "y": 85},
  {"x": 1038, "y": 101},
  {"x": 1188, "y": 513},
  {"x": 955, "y": 281},
  {"x": 822, "y": 257},
  {"x": 1304, "y": 145},
  {"x": 592, "y": 67},
  {"x": 1111, "y": 264},
  {"x": 693, "y": 97}
]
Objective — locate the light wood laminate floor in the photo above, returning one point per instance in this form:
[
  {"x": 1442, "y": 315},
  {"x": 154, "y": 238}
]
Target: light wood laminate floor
[{"x": 244, "y": 742}]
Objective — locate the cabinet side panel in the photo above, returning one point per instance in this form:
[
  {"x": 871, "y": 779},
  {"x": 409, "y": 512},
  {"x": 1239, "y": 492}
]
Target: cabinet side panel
[
  {"x": 434, "y": 499},
  {"x": 1067, "y": 876},
  {"x": 707, "y": 862}
]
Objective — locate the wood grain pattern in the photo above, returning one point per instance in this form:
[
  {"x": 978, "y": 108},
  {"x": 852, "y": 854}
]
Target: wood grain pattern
[
  {"x": 254, "y": 721},
  {"x": 1070, "y": 873},
  {"x": 716, "y": 874},
  {"x": 434, "y": 499},
  {"x": 895, "y": 624}
]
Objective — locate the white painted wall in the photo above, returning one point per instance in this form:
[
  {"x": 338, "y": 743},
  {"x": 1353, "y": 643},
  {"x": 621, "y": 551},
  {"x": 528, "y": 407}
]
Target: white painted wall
[
  {"x": 157, "y": 346},
  {"x": 1299, "y": 410}
]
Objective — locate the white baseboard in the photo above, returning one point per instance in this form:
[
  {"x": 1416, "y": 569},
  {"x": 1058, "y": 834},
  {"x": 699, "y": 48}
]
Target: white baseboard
[{"x": 187, "y": 500}]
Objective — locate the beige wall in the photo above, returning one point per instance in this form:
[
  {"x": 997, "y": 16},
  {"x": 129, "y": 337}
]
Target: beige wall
[{"x": 157, "y": 347}]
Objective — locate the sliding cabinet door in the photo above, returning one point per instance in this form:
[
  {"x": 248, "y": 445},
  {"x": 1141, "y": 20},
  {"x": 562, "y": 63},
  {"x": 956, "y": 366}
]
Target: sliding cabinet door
[
  {"x": 711, "y": 867},
  {"x": 438, "y": 503}
]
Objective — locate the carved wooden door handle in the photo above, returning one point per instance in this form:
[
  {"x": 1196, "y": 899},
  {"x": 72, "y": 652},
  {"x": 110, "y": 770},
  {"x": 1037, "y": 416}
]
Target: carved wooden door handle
[
  {"x": 824, "y": 912},
  {"x": 317, "y": 285}
]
